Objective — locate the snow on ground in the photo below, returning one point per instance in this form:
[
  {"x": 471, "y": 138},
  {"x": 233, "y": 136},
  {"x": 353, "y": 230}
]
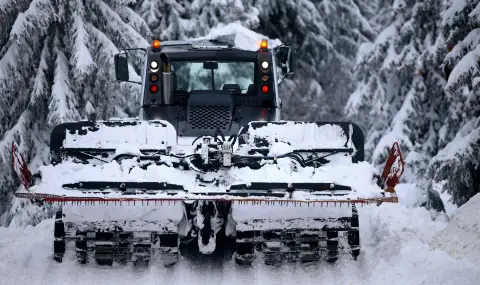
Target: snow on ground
[
  {"x": 398, "y": 248},
  {"x": 461, "y": 237},
  {"x": 408, "y": 194}
]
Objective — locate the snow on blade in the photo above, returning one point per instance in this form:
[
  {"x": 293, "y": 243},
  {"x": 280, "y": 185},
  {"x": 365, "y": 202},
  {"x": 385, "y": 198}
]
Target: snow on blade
[
  {"x": 142, "y": 135},
  {"x": 126, "y": 148},
  {"x": 302, "y": 136},
  {"x": 358, "y": 176},
  {"x": 131, "y": 137}
]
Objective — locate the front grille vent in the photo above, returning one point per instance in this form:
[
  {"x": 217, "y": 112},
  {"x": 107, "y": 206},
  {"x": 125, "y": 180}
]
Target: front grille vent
[{"x": 209, "y": 117}]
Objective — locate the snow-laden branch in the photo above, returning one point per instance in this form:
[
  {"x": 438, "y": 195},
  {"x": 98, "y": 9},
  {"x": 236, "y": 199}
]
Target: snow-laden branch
[
  {"x": 462, "y": 145},
  {"x": 464, "y": 70},
  {"x": 35, "y": 20},
  {"x": 62, "y": 107},
  {"x": 453, "y": 12},
  {"x": 82, "y": 59},
  {"x": 128, "y": 35},
  {"x": 399, "y": 130},
  {"x": 109, "y": 50},
  {"x": 134, "y": 20},
  {"x": 40, "y": 85}
]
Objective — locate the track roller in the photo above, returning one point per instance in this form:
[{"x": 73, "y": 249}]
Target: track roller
[
  {"x": 244, "y": 253},
  {"x": 332, "y": 246},
  {"x": 354, "y": 234},
  {"x": 59, "y": 237}
]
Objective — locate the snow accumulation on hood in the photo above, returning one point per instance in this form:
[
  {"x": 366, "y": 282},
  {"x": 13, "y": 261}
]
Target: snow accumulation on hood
[{"x": 396, "y": 242}]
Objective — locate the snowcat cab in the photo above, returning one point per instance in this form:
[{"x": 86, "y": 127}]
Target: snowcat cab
[
  {"x": 206, "y": 86},
  {"x": 208, "y": 159}
]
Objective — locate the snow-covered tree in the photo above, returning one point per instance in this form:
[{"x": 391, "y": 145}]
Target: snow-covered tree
[
  {"x": 399, "y": 96},
  {"x": 403, "y": 95},
  {"x": 56, "y": 65},
  {"x": 183, "y": 19},
  {"x": 457, "y": 165},
  {"x": 325, "y": 36}
]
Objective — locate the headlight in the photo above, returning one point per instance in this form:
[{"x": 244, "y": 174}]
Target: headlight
[
  {"x": 265, "y": 64},
  {"x": 153, "y": 64}
]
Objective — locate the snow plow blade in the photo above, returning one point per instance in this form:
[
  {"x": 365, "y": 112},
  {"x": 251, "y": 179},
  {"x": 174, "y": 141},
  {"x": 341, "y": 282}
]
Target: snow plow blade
[{"x": 287, "y": 191}]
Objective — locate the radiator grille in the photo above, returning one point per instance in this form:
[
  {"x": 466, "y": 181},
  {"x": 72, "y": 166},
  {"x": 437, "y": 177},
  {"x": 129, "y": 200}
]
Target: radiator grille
[{"x": 209, "y": 117}]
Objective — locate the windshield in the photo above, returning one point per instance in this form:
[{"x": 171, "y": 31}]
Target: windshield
[{"x": 213, "y": 75}]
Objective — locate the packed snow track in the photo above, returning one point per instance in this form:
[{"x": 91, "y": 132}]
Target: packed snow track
[{"x": 401, "y": 245}]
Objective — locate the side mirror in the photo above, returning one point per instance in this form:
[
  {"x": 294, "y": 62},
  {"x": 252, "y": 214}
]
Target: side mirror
[
  {"x": 285, "y": 57},
  {"x": 121, "y": 66},
  {"x": 286, "y": 60}
]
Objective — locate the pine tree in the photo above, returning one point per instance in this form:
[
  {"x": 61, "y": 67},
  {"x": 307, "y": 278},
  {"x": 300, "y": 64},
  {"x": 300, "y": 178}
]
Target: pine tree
[
  {"x": 403, "y": 96},
  {"x": 56, "y": 65},
  {"x": 325, "y": 36},
  {"x": 457, "y": 165},
  {"x": 399, "y": 76}
]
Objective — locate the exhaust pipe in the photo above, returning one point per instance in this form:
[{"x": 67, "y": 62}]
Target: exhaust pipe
[{"x": 167, "y": 80}]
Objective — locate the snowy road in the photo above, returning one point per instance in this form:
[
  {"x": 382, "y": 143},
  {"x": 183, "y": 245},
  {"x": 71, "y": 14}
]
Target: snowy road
[{"x": 398, "y": 248}]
